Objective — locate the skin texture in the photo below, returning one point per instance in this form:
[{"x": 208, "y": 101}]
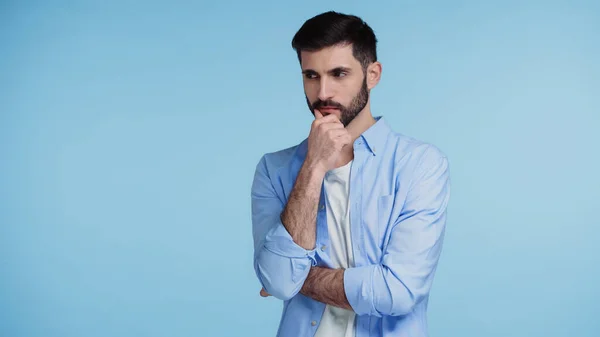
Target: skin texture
[{"x": 337, "y": 91}]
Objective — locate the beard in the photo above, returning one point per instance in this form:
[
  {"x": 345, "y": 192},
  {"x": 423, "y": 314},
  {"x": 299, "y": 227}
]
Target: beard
[{"x": 350, "y": 112}]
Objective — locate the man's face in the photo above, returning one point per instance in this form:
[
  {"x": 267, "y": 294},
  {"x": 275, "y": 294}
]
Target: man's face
[{"x": 334, "y": 82}]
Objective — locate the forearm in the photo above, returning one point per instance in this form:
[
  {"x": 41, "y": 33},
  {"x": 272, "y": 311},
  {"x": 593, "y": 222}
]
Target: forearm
[
  {"x": 326, "y": 286},
  {"x": 300, "y": 214}
]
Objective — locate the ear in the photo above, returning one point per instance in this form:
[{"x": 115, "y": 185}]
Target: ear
[{"x": 373, "y": 74}]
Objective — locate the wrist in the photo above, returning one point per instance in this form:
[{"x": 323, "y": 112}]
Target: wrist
[{"x": 314, "y": 169}]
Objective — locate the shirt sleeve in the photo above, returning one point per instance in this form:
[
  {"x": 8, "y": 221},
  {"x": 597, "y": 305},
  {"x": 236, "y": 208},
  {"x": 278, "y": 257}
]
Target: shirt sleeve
[
  {"x": 281, "y": 265},
  {"x": 405, "y": 274}
]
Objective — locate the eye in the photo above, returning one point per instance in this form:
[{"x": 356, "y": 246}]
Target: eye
[
  {"x": 340, "y": 73},
  {"x": 310, "y": 75}
]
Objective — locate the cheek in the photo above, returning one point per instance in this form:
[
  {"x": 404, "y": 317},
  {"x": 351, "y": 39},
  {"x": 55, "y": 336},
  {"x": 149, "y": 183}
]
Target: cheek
[
  {"x": 311, "y": 91},
  {"x": 346, "y": 96},
  {"x": 351, "y": 90}
]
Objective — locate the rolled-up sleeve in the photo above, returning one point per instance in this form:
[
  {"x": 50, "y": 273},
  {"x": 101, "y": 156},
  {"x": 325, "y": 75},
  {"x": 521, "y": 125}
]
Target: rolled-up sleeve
[
  {"x": 281, "y": 265},
  {"x": 405, "y": 274}
]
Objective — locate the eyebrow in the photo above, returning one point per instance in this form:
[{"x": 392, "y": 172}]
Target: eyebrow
[{"x": 331, "y": 71}]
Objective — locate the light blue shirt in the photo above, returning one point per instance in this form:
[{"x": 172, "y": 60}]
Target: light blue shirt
[{"x": 399, "y": 191}]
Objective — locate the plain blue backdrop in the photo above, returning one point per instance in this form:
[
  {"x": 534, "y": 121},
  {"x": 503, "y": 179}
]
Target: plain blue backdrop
[{"x": 129, "y": 134}]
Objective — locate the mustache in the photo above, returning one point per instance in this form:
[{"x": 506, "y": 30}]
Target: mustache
[{"x": 329, "y": 103}]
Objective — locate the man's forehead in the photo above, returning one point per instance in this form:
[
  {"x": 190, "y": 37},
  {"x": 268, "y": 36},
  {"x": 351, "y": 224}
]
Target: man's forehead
[{"x": 329, "y": 58}]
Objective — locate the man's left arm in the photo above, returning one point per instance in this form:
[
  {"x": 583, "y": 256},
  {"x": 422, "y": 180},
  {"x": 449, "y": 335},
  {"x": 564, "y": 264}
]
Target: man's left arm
[
  {"x": 326, "y": 286},
  {"x": 405, "y": 274}
]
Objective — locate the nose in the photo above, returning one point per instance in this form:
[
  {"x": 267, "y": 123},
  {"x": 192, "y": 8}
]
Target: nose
[{"x": 325, "y": 89}]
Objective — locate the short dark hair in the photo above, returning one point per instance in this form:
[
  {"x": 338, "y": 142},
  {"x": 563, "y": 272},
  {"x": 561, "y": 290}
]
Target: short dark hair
[{"x": 331, "y": 29}]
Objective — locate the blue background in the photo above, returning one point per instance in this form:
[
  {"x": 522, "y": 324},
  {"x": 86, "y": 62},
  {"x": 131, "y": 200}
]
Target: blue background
[{"x": 129, "y": 134}]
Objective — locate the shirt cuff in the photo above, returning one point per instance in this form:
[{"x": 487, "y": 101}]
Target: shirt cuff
[
  {"x": 279, "y": 241},
  {"x": 358, "y": 285}
]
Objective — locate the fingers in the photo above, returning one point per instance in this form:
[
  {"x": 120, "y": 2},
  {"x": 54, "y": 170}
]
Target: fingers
[
  {"x": 332, "y": 127},
  {"x": 319, "y": 119},
  {"x": 346, "y": 139},
  {"x": 326, "y": 123},
  {"x": 263, "y": 293},
  {"x": 335, "y": 133},
  {"x": 319, "y": 115},
  {"x": 340, "y": 136},
  {"x": 326, "y": 127}
]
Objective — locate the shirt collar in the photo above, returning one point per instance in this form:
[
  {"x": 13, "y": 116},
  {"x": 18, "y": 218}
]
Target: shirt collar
[{"x": 376, "y": 135}]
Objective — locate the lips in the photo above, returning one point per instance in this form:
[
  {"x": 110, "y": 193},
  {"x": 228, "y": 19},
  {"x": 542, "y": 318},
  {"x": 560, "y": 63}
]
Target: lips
[{"x": 328, "y": 108}]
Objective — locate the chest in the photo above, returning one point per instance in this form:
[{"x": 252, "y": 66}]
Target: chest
[{"x": 365, "y": 200}]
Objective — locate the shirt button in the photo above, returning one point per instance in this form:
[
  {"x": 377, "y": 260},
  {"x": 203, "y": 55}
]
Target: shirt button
[
  {"x": 313, "y": 323},
  {"x": 323, "y": 247}
]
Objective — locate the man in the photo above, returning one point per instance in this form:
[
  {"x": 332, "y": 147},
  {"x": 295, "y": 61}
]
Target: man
[{"x": 348, "y": 225}]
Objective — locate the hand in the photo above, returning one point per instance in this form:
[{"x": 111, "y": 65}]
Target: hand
[
  {"x": 264, "y": 293},
  {"x": 326, "y": 140}
]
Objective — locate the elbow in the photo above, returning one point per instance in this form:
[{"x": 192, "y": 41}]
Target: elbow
[
  {"x": 400, "y": 299},
  {"x": 402, "y": 291},
  {"x": 402, "y": 308},
  {"x": 377, "y": 291},
  {"x": 281, "y": 290},
  {"x": 397, "y": 305},
  {"x": 280, "y": 276},
  {"x": 279, "y": 285}
]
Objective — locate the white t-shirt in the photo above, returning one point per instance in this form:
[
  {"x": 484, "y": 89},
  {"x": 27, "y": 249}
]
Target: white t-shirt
[{"x": 338, "y": 322}]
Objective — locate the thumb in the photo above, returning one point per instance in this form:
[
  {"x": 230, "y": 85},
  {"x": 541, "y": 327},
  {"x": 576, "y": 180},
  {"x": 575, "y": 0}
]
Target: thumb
[{"x": 318, "y": 114}]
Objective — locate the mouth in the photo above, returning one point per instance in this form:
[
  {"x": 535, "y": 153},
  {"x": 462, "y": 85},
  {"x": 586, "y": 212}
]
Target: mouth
[{"x": 328, "y": 109}]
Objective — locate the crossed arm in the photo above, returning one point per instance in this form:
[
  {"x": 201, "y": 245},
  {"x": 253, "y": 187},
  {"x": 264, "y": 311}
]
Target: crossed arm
[
  {"x": 284, "y": 259},
  {"x": 324, "y": 285}
]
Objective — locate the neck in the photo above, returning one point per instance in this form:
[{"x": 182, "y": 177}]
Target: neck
[{"x": 363, "y": 121}]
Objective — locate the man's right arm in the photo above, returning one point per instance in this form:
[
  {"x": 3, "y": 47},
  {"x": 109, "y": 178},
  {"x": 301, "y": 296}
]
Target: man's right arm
[
  {"x": 300, "y": 214},
  {"x": 284, "y": 235},
  {"x": 325, "y": 143}
]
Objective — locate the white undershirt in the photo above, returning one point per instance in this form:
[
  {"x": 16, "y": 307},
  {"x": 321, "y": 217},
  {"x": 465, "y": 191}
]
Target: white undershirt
[{"x": 338, "y": 322}]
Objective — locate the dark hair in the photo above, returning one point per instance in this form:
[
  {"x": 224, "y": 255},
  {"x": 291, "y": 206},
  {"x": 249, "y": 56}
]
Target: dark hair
[{"x": 332, "y": 29}]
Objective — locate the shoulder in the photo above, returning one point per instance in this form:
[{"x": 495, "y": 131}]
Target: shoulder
[
  {"x": 271, "y": 162},
  {"x": 404, "y": 145},
  {"x": 415, "y": 157}
]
